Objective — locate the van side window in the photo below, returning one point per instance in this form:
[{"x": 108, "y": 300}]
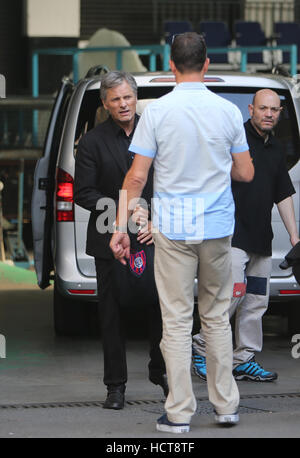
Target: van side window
[{"x": 87, "y": 113}]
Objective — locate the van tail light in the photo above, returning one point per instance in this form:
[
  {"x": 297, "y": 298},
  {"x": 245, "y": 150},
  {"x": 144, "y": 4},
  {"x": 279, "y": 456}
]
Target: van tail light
[
  {"x": 82, "y": 291},
  {"x": 64, "y": 196},
  {"x": 289, "y": 291}
]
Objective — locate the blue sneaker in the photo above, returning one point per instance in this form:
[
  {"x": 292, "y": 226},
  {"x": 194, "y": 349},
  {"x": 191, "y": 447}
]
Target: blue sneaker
[
  {"x": 166, "y": 426},
  {"x": 253, "y": 371},
  {"x": 199, "y": 365}
]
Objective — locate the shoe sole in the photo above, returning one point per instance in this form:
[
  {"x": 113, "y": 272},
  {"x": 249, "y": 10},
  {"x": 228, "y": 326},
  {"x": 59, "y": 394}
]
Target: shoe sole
[
  {"x": 229, "y": 420},
  {"x": 203, "y": 377},
  {"x": 172, "y": 429},
  {"x": 113, "y": 407},
  {"x": 254, "y": 378}
]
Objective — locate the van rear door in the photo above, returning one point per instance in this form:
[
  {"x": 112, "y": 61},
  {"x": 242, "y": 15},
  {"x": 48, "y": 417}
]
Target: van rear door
[{"x": 44, "y": 185}]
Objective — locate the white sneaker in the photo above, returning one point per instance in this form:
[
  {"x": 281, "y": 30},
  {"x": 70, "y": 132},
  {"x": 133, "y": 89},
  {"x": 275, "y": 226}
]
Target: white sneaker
[
  {"x": 227, "y": 419},
  {"x": 166, "y": 426}
]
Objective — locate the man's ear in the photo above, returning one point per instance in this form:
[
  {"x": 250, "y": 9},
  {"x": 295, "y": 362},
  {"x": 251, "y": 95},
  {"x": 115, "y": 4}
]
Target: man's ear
[
  {"x": 172, "y": 66},
  {"x": 206, "y": 64}
]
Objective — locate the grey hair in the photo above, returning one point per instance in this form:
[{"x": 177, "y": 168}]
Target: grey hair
[{"x": 115, "y": 78}]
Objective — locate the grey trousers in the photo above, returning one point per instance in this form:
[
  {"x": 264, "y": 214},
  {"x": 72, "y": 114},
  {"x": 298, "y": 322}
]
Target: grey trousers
[
  {"x": 176, "y": 265},
  {"x": 251, "y": 275}
]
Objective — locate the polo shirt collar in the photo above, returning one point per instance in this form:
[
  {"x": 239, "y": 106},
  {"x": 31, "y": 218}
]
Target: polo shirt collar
[
  {"x": 190, "y": 85},
  {"x": 254, "y": 132}
]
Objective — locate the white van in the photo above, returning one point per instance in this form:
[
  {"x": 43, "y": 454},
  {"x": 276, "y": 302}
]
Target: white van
[{"x": 59, "y": 225}]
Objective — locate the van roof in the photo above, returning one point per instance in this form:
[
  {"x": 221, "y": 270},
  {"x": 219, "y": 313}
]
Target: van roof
[{"x": 214, "y": 79}]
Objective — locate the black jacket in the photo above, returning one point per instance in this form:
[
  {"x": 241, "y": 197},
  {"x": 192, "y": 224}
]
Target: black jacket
[{"x": 100, "y": 169}]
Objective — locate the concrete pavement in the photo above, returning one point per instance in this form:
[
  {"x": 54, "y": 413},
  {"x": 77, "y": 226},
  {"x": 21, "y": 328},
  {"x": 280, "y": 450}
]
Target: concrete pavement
[{"x": 52, "y": 387}]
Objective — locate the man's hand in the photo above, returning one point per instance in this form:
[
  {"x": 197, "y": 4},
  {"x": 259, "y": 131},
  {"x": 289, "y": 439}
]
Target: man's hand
[
  {"x": 287, "y": 214},
  {"x": 145, "y": 234},
  {"x": 120, "y": 246},
  {"x": 140, "y": 217},
  {"x": 294, "y": 240}
]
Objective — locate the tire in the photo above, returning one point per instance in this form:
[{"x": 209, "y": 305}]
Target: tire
[{"x": 72, "y": 317}]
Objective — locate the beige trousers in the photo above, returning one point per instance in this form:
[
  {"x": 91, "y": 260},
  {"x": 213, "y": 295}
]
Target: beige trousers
[{"x": 177, "y": 263}]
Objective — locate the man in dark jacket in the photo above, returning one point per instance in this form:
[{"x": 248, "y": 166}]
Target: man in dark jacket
[
  {"x": 252, "y": 239},
  {"x": 102, "y": 161}
]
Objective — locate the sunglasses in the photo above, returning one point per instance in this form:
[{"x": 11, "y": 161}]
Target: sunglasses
[{"x": 183, "y": 33}]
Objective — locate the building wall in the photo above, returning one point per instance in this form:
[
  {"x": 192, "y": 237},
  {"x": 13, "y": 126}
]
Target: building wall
[
  {"x": 13, "y": 47},
  {"x": 52, "y": 24},
  {"x": 141, "y": 21},
  {"x": 55, "y": 18},
  {"x": 29, "y": 24},
  {"x": 269, "y": 11},
  {"x": 132, "y": 18}
]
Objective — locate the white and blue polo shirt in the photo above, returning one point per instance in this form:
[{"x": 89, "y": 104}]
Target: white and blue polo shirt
[{"x": 191, "y": 133}]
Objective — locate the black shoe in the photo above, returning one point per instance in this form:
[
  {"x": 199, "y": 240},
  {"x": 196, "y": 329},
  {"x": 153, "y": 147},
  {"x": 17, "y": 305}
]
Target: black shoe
[
  {"x": 161, "y": 380},
  {"x": 115, "y": 398}
]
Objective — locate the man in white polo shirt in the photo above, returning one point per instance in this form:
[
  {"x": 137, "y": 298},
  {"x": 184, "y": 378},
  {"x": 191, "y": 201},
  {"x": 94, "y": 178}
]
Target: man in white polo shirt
[{"x": 197, "y": 142}]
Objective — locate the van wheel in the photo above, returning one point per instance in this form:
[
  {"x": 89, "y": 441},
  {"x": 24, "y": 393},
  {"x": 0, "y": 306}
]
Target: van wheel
[
  {"x": 72, "y": 317},
  {"x": 294, "y": 317}
]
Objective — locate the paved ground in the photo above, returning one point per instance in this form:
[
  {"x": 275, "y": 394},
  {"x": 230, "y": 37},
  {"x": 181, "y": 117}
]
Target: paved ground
[{"x": 52, "y": 387}]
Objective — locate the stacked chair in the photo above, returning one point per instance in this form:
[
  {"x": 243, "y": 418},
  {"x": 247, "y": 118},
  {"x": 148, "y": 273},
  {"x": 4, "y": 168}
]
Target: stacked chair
[
  {"x": 172, "y": 28},
  {"x": 245, "y": 34},
  {"x": 250, "y": 33},
  {"x": 287, "y": 33},
  {"x": 216, "y": 35}
]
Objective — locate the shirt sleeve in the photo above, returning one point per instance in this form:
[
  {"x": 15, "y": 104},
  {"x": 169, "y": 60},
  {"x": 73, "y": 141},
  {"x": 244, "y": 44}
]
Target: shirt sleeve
[
  {"x": 239, "y": 140},
  {"x": 144, "y": 141},
  {"x": 284, "y": 187}
]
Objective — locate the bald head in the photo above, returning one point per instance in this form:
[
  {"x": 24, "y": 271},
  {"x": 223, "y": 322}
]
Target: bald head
[
  {"x": 265, "y": 94},
  {"x": 265, "y": 111}
]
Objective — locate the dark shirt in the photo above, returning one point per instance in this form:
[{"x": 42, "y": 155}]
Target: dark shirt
[
  {"x": 254, "y": 201},
  {"x": 124, "y": 140}
]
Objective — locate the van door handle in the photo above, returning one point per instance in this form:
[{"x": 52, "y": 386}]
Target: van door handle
[{"x": 43, "y": 184}]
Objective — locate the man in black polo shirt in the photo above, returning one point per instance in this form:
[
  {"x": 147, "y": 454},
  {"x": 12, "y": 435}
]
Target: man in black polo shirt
[{"x": 252, "y": 238}]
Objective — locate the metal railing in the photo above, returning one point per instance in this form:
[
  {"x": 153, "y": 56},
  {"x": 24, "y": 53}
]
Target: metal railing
[
  {"x": 152, "y": 51},
  {"x": 149, "y": 50},
  {"x": 244, "y": 51}
]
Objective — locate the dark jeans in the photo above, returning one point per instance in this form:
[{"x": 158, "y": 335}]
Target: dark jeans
[{"x": 113, "y": 337}]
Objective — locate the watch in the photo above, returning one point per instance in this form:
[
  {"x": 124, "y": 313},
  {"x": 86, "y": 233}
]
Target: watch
[{"x": 118, "y": 228}]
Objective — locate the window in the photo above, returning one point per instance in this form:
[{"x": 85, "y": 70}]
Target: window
[{"x": 287, "y": 130}]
